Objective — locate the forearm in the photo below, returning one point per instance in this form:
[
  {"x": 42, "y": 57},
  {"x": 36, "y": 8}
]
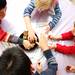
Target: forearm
[
  {"x": 65, "y": 49},
  {"x": 67, "y": 35},
  {"x": 56, "y": 17},
  {"x": 49, "y": 56},
  {"x": 3, "y": 35},
  {"x": 27, "y": 21},
  {"x": 63, "y": 36},
  {"x": 52, "y": 64},
  {"x": 15, "y": 40}
]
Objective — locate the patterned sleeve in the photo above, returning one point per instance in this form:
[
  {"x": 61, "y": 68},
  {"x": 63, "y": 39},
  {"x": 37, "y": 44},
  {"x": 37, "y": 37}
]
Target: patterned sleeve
[
  {"x": 28, "y": 10},
  {"x": 56, "y": 17}
]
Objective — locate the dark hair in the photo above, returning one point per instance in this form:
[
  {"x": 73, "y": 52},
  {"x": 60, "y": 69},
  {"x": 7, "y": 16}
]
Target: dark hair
[
  {"x": 26, "y": 34},
  {"x": 21, "y": 64},
  {"x": 2, "y": 4}
]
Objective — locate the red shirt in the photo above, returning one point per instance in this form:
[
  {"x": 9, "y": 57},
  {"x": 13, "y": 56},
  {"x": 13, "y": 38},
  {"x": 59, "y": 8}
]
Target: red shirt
[
  {"x": 3, "y": 35},
  {"x": 66, "y": 49}
]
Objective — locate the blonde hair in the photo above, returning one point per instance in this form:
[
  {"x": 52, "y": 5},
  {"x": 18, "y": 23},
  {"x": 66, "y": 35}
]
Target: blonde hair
[{"x": 43, "y": 5}]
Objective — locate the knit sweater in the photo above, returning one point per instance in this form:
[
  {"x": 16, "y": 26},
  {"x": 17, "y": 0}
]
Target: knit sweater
[{"x": 66, "y": 49}]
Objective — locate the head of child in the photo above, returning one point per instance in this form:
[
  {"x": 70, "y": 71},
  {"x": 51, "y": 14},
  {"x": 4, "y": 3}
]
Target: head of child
[
  {"x": 32, "y": 45},
  {"x": 44, "y": 4},
  {"x": 14, "y": 61},
  {"x": 3, "y": 4}
]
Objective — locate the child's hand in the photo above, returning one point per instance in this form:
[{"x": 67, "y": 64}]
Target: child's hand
[
  {"x": 52, "y": 46},
  {"x": 39, "y": 67},
  {"x": 31, "y": 36},
  {"x": 43, "y": 42},
  {"x": 55, "y": 37},
  {"x": 70, "y": 69},
  {"x": 27, "y": 44},
  {"x": 51, "y": 36}
]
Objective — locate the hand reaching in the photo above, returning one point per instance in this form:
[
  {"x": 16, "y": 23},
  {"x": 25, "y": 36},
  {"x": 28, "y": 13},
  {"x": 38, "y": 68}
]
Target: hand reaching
[
  {"x": 52, "y": 46},
  {"x": 31, "y": 36},
  {"x": 43, "y": 42},
  {"x": 70, "y": 69},
  {"x": 27, "y": 44},
  {"x": 55, "y": 37}
]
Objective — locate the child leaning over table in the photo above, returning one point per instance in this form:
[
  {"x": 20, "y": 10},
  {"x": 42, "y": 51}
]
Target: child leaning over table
[
  {"x": 4, "y": 36},
  {"x": 40, "y": 11}
]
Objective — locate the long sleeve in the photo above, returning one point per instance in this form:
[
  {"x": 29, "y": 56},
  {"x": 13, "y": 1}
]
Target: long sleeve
[
  {"x": 67, "y": 36},
  {"x": 28, "y": 10},
  {"x": 65, "y": 49},
  {"x": 15, "y": 40},
  {"x": 56, "y": 17},
  {"x": 52, "y": 64},
  {"x": 36, "y": 73},
  {"x": 50, "y": 59},
  {"x": 3, "y": 35}
]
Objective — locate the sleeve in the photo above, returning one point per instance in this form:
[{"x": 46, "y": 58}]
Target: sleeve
[
  {"x": 65, "y": 49},
  {"x": 67, "y": 35},
  {"x": 56, "y": 17},
  {"x": 3, "y": 35},
  {"x": 36, "y": 73},
  {"x": 15, "y": 40},
  {"x": 28, "y": 10},
  {"x": 52, "y": 64}
]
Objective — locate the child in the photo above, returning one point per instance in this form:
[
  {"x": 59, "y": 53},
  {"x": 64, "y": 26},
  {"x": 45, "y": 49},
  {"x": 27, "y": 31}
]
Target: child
[
  {"x": 41, "y": 10},
  {"x": 63, "y": 48},
  {"x": 14, "y": 62},
  {"x": 4, "y": 36}
]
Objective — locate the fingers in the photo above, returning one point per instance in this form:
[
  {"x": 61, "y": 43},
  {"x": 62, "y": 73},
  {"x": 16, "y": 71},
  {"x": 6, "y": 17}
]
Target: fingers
[
  {"x": 70, "y": 69},
  {"x": 32, "y": 39}
]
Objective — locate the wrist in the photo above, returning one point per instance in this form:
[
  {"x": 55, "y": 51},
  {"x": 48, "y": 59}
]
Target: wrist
[{"x": 45, "y": 48}]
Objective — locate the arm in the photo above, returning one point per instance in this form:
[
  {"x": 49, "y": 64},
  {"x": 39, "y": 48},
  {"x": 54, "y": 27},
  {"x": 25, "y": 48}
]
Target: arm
[
  {"x": 27, "y": 20},
  {"x": 4, "y": 36},
  {"x": 52, "y": 64},
  {"x": 67, "y": 35},
  {"x": 56, "y": 17},
  {"x": 64, "y": 36},
  {"x": 65, "y": 49},
  {"x": 27, "y": 15}
]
